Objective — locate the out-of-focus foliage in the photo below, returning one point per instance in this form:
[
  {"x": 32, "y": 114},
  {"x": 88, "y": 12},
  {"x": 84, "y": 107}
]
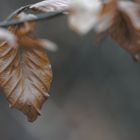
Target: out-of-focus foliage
[{"x": 121, "y": 19}]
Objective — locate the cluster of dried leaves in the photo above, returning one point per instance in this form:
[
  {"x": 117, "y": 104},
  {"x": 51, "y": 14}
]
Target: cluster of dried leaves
[
  {"x": 119, "y": 19},
  {"x": 25, "y": 71}
]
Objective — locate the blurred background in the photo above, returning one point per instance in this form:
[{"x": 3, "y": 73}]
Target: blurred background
[{"x": 95, "y": 93}]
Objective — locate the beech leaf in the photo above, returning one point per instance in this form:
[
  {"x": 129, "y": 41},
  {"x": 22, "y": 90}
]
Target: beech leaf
[
  {"x": 125, "y": 29},
  {"x": 25, "y": 72}
]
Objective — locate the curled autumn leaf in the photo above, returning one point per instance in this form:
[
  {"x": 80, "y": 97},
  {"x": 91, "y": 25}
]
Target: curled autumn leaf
[
  {"x": 25, "y": 71},
  {"x": 121, "y": 19},
  {"x": 51, "y": 5},
  {"x": 124, "y": 25}
]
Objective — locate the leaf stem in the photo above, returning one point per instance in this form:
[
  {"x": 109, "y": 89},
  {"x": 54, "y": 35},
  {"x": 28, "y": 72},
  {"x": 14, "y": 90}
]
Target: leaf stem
[
  {"x": 38, "y": 17},
  {"x": 18, "y": 11}
]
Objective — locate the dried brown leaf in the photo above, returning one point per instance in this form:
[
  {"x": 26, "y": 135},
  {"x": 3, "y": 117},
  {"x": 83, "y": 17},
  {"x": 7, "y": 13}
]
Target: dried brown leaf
[
  {"x": 25, "y": 73},
  {"x": 121, "y": 19},
  {"x": 123, "y": 24},
  {"x": 125, "y": 29}
]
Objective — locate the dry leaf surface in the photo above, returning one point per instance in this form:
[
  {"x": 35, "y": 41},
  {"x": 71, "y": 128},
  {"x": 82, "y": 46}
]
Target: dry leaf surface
[{"x": 25, "y": 72}]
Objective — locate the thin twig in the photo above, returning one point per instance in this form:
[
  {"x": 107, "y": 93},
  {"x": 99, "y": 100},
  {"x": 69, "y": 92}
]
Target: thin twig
[
  {"x": 38, "y": 17},
  {"x": 18, "y": 11}
]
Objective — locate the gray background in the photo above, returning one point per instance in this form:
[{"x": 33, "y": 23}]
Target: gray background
[{"x": 95, "y": 93}]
